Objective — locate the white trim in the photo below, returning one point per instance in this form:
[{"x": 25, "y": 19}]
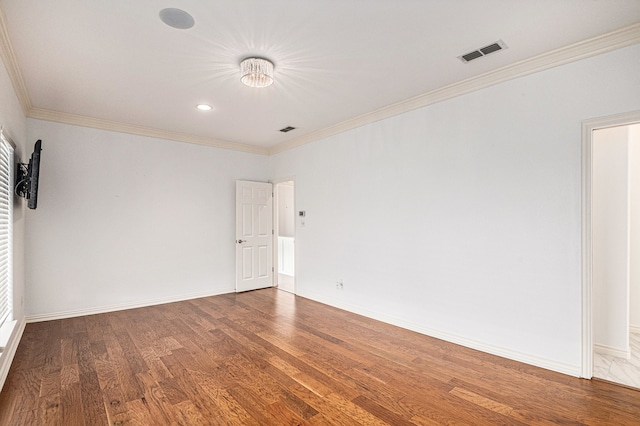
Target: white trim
[
  {"x": 618, "y": 39},
  {"x": 623, "y": 119},
  {"x": 587, "y": 331},
  {"x": 123, "y": 306},
  {"x": 98, "y": 123},
  {"x": 608, "y": 350},
  {"x": 11, "y": 64},
  {"x": 283, "y": 180},
  {"x": 10, "y": 350},
  {"x": 5, "y": 135},
  {"x": 585, "y": 49},
  {"x": 572, "y": 370},
  {"x": 635, "y": 329},
  {"x": 588, "y": 126}
]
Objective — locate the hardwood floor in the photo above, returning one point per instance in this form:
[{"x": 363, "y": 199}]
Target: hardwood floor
[{"x": 268, "y": 357}]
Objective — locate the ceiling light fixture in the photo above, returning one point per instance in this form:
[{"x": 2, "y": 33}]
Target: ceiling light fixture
[
  {"x": 203, "y": 107},
  {"x": 256, "y": 72}
]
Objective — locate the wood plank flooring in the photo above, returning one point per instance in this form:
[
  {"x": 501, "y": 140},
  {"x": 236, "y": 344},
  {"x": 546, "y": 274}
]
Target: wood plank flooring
[{"x": 268, "y": 357}]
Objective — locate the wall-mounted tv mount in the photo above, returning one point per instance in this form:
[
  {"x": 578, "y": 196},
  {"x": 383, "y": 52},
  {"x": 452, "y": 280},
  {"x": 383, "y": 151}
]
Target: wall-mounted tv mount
[{"x": 27, "y": 176}]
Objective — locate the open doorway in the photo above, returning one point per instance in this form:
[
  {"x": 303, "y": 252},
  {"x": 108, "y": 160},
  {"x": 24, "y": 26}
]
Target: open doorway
[
  {"x": 285, "y": 228},
  {"x": 612, "y": 249}
]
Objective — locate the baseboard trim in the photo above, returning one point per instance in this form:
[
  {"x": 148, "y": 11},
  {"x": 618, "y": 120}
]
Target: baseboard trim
[
  {"x": 123, "y": 306},
  {"x": 571, "y": 370},
  {"x": 635, "y": 329},
  {"x": 608, "y": 350},
  {"x": 10, "y": 351}
]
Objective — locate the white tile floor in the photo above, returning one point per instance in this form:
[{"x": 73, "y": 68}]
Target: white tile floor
[{"x": 620, "y": 370}]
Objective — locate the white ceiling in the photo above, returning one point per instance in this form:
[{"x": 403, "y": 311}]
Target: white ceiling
[{"x": 334, "y": 59}]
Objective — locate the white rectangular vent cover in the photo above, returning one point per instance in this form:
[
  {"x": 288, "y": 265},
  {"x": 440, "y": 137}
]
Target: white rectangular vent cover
[{"x": 483, "y": 51}]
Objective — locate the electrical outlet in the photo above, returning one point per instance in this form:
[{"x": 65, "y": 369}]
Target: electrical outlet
[{"x": 339, "y": 284}]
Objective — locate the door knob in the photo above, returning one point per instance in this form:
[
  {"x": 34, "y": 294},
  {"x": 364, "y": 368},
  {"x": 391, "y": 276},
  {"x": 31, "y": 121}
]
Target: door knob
[{"x": 241, "y": 241}]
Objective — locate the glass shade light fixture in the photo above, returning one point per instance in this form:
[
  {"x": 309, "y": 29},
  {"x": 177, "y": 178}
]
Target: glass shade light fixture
[{"x": 256, "y": 72}]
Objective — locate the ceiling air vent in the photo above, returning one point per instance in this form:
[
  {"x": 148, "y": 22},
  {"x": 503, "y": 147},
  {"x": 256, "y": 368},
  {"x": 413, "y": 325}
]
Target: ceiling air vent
[
  {"x": 287, "y": 129},
  {"x": 483, "y": 51},
  {"x": 471, "y": 56}
]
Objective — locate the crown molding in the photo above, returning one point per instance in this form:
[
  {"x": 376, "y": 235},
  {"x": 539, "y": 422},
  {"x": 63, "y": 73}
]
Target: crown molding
[
  {"x": 595, "y": 46},
  {"x": 623, "y": 37},
  {"x": 98, "y": 123},
  {"x": 11, "y": 65}
]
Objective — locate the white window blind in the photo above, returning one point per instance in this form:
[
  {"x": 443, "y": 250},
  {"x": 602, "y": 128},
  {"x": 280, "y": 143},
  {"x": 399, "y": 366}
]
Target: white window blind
[{"x": 6, "y": 227}]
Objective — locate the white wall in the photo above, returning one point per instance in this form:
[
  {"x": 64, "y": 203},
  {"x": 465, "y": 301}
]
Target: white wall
[
  {"x": 610, "y": 238},
  {"x": 286, "y": 214},
  {"x": 634, "y": 305},
  {"x": 286, "y": 256},
  {"x": 463, "y": 219},
  {"x": 13, "y": 120},
  {"x": 125, "y": 219}
]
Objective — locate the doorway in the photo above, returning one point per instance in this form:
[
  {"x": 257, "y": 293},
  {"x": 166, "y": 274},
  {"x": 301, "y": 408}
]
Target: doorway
[
  {"x": 611, "y": 249},
  {"x": 285, "y": 235}
]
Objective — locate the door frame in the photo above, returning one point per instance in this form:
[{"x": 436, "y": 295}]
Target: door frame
[
  {"x": 588, "y": 126},
  {"x": 275, "y": 183}
]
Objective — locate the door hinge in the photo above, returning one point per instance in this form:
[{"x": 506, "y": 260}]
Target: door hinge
[{"x": 272, "y": 270}]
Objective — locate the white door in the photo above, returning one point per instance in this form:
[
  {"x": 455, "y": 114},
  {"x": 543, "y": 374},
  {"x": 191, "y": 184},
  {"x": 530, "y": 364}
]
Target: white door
[{"x": 254, "y": 235}]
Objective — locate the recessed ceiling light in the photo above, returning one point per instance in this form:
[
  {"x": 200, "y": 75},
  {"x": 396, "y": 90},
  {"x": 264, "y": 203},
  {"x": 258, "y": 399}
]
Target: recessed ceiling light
[
  {"x": 177, "y": 18},
  {"x": 204, "y": 107}
]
